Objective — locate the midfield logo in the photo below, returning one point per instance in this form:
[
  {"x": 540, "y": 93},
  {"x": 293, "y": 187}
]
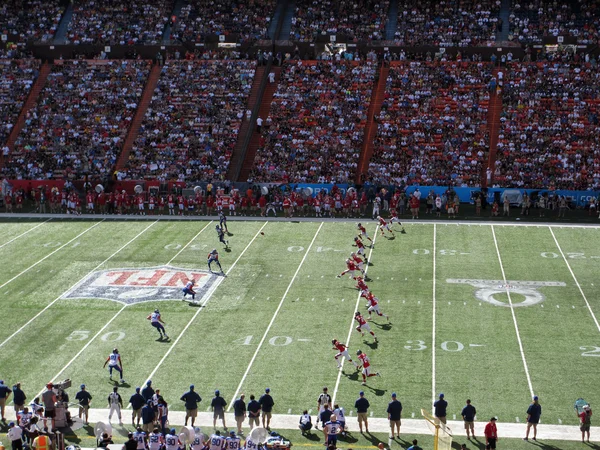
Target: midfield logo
[
  {"x": 486, "y": 289},
  {"x": 142, "y": 285}
]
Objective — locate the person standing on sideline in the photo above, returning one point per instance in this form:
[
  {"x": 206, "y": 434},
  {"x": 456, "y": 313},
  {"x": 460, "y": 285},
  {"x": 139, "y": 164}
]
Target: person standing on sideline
[
  {"x": 42, "y": 442},
  {"x": 191, "y": 399},
  {"x": 585, "y": 419},
  {"x": 331, "y": 429},
  {"x": 218, "y": 404},
  {"x": 148, "y": 391},
  {"x": 266, "y": 405},
  {"x": 253, "y": 412},
  {"x": 19, "y": 397},
  {"x": 394, "y": 412},
  {"x": 49, "y": 401},
  {"x": 239, "y": 412},
  {"x": 4, "y": 394},
  {"x": 115, "y": 403},
  {"x": 468, "y": 414},
  {"x": 491, "y": 434},
  {"x": 148, "y": 416},
  {"x": 533, "y": 418},
  {"x": 362, "y": 406},
  {"x": 414, "y": 446},
  {"x": 137, "y": 402},
  {"x": 439, "y": 407},
  {"x": 85, "y": 399},
  {"x": 323, "y": 399},
  {"x": 15, "y": 436},
  {"x": 326, "y": 414},
  {"x": 163, "y": 414}
]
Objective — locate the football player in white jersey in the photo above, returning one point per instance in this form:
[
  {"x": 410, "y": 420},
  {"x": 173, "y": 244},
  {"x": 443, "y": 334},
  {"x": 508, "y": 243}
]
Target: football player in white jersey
[
  {"x": 155, "y": 440},
  {"x": 198, "y": 442},
  {"x": 140, "y": 438},
  {"x": 217, "y": 442},
  {"x": 114, "y": 362},
  {"x": 250, "y": 444},
  {"x": 232, "y": 442},
  {"x": 172, "y": 441},
  {"x": 115, "y": 403},
  {"x": 157, "y": 322}
]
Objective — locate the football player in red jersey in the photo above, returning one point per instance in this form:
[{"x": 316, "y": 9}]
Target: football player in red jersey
[
  {"x": 358, "y": 261},
  {"x": 394, "y": 218},
  {"x": 363, "y": 231},
  {"x": 366, "y": 367},
  {"x": 373, "y": 305},
  {"x": 351, "y": 267},
  {"x": 360, "y": 245},
  {"x": 363, "y": 325},
  {"x": 361, "y": 285},
  {"x": 383, "y": 225},
  {"x": 342, "y": 350}
]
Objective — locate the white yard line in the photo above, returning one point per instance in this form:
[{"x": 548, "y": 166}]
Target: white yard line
[
  {"x": 512, "y": 311},
  {"x": 187, "y": 245},
  {"x": 433, "y": 396},
  {"x": 575, "y": 279},
  {"x": 26, "y": 232},
  {"x": 274, "y": 316},
  {"x": 84, "y": 347},
  {"x": 60, "y": 296},
  {"x": 50, "y": 254},
  {"x": 209, "y": 295},
  {"x": 356, "y": 307}
]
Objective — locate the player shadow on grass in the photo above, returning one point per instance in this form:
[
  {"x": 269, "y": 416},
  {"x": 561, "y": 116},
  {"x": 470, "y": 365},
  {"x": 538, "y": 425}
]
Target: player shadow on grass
[
  {"x": 312, "y": 436},
  {"x": 547, "y": 446},
  {"x": 228, "y": 250},
  {"x": 161, "y": 339},
  {"x": 383, "y": 326},
  {"x": 376, "y": 391},
  {"x": 118, "y": 384},
  {"x": 390, "y": 238},
  {"x": 373, "y": 345}
]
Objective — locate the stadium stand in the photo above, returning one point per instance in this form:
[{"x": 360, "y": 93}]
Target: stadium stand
[
  {"x": 447, "y": 23},
  {"x": 115, "y": 22},
  {"x": 192, "y": 124},
  {"x": 356, "y": 19},
  {"x": 432, "y": 128},
  {"x": 79, "y": 121},
  {"x": 248, "y": 19},
  {"x": 549, "y": 135},
  {"x": 316, "y": 123},
  {"x": 16, "y": 79},
  {"x": 533, "y": 20},
  {"x": 29, "y": 20}
]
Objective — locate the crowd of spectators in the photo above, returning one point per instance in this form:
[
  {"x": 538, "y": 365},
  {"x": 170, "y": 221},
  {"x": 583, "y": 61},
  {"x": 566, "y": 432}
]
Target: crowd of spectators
[
  {"x": 200, "y": 19},
  {"x": 533, "y": 20},
  {"x": 80, "y": 120},
  {"x": 192, "y": 124},
  {"x": 432, "y": 128},
  {"x": 30, "y": 20},
  {"x": 118, "y": 22},
  {"x": 550, "y": 134},
  {"x": 356, "y": 19},
  {"x": 446, "y": 23},
  {"x": 316, "y": 123},
  {"x": 16, "y": 79}
]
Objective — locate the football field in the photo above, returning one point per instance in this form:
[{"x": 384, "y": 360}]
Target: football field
[{"x": 494, "y": 313}]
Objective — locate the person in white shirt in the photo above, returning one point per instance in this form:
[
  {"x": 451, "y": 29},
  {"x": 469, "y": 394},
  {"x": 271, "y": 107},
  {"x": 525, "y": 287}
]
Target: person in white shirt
[
  {"x": 198, "y": 442},
  {"x": 305, "y": 422},
  {"x": 15, "y": 436},
  {"x": 115, "y": 403},
  {"x": 341, "y": 417}
]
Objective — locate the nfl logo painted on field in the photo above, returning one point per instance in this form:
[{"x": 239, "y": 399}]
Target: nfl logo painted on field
[{"x": 142, "y": 285}]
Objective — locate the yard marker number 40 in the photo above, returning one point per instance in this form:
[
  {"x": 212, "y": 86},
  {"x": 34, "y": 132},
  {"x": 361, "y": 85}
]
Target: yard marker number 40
[{"x": 277, "y": 341}]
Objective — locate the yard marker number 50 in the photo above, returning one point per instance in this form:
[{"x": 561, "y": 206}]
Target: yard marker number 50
[{"x": 82, "y": 335}]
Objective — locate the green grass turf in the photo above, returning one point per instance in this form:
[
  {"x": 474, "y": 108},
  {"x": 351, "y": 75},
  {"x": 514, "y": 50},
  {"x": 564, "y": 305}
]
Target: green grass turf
[{"x": 73, "y": 337}]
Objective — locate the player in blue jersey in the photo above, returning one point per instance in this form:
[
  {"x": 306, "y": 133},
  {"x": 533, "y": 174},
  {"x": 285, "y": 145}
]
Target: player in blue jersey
[
  {"x": 223, "y": 222},
  {"x": 213, "y": 257},
  {"x": 221, "y": 235},
  {"x": 157, "y": 322},
  {"x": 114, "y": 363},
  {"x": 189, "y": 289}
]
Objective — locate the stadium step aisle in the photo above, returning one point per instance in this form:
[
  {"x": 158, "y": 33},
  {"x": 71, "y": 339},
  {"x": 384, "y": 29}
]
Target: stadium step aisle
[
  {"x": 37, "y": 87},
  {"x": 287, "y": 16},
  {"x": 494, "y": 114},
  {"x": 176, "y": 12},
  {"x": 392, "y": 23},
  {"x": 136, "y": 123},
  {"x": 376, "y": 425},
  {"x": 60, "y": 38}
]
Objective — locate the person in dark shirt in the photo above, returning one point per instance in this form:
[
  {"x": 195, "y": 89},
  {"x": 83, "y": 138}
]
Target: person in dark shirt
[
  {"x": 325, "y": 415},
  {"x": 439, "y": 407},
  {"x": 362, "y": 406},
  {"x": 105, "y": 441},
  {"x": 85, "y": 399},
  {"x": 394, "y": 411},
  {"x": 239, "y": 412},
  {"x": 468, "y": 415},
  {"x": 266, "y": 404},
  {"x": 253, "y": 412},
  {"x": 131, "y": 443},
  {"x": 148, "y": 391},
  {"x": 19, "y": 397},
  {"x": 4, "y": 394},
  {"x": 148, "y": 416},
  {"x": 218, "y": 406},
  {"x": 191, "y": 399},
  {"x": 137, "y": 401},
  {"x": 533, "y": 418}
]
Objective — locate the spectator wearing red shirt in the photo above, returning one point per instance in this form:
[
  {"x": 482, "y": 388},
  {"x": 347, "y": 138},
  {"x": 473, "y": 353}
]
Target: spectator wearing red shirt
[
  {"x": 491, "y": 434},
  {"x": 585, "y": 419}
]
